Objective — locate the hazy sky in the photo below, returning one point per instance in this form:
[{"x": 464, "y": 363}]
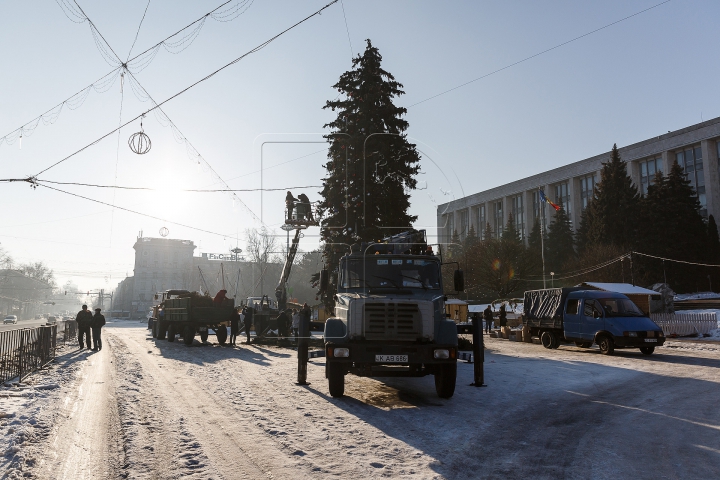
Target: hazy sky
[{"x": 642, "y": 77}]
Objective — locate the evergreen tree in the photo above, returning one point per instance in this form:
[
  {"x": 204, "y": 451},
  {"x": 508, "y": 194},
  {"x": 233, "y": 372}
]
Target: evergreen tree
[
  {"x": 511, "y": 233},
  {"x": 672, "y": 227},
  {"x": 560, "y": 243},
  {"x": 713, "y": 247},
  {"x": 366, "y": 197},
  {"x": 471, "y": 239},
  {"x": 535, "y": 242},
  {"x": 455, "y": 248},
  {"x": 611, "y": 218},
  {"x": 488, "y": 235}
]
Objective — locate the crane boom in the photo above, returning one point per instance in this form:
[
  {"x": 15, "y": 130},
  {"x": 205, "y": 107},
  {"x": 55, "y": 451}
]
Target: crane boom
[{"x": 281, "y": 289}]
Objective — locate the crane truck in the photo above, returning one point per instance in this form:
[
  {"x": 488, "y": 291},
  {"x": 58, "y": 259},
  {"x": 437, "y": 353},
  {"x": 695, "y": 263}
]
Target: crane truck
[{"x": 390, "y": 315}]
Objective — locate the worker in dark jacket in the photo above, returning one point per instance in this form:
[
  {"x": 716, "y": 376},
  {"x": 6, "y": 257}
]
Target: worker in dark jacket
[
  {"x": 84, "y": 321},
  {"x": 234, "y": 325},
  {"x": 502, "y": 316},
  {"x": 290, "y": 204},
  {"x": 248, "y": 312},
  {"x": 282, "y": 324},
  {"x": 98, "y": 321},
  {"x": 488, "y": 317}
]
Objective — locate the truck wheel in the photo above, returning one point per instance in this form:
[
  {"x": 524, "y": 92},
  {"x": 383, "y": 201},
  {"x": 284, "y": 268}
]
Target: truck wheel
[
  {"x": 221, "y": 334},
  {"x": 154, "y": 329},
  {"x": 204, "y": 336},
  {"x": 583, "y": 344},
  {"x": 188, "y": 335},
  {"x": 171, "y": 333},
  {"x": 647, "y": 350},
  {"x": 162, "y": 327},
  {"x": 549, "y": 339},
  {"x": 445, "y": 377},
  {"x": 607, "y": 347},
  {"x": 336, "y": 379}
]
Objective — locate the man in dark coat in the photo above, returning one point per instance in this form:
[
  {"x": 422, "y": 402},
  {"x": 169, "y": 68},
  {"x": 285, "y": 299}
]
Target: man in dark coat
[
  {"x": 502, "y": 316},
  {"x": 84, "y": 321},
  {"x": 248, "y": 312},
  {"x": 290, "y": 204},
  {"x": 488, "y": 317},
  {"x": 234, "y": 325},
  {"x": 283, "y": 321},
  {"x": 303, "y": 208},
  {"x": 98, "y": 321}
]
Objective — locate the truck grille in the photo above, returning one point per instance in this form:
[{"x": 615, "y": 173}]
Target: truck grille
[{"x": 385, "y": 321}]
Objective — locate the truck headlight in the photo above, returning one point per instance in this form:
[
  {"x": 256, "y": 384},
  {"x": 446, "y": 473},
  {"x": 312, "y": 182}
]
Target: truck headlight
[
  {"x": 341, "y": 352},
  {"x": 632, "y": 334},
  {"x": 442, "y": 354}
]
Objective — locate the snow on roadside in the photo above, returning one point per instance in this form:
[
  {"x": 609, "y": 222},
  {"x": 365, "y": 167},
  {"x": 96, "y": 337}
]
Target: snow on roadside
[{"x": 29, "y": 410}]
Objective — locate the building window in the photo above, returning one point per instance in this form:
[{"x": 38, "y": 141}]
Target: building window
[
  {"x": 562, "y": 197},
  {"x": 450, "y": 225},
  {"x": 690, "y": 160},
  {"x": 464, "y": 219},
  {"x": 518, "y": 212},
  {"x": 482, "y": 220},
  {"x": 498, "y": 219},
  {"x": 648, "y": 169},
  {"x": 587, "y": 189}
]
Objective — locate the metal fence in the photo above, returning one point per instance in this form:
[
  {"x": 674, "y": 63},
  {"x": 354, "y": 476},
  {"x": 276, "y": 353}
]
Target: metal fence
[
  {"x": 684, "y": 324},
  {"x": 26, "y": 350},
  {"x": 69, "y": 332}
]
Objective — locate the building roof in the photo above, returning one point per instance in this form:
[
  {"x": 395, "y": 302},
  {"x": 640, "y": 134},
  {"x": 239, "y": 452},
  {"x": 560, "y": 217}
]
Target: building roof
[{"x": 624, "y": 288}]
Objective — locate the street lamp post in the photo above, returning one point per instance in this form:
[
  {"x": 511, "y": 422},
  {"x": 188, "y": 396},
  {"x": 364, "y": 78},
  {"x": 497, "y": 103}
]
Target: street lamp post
[{"x": 552, "y": 279}]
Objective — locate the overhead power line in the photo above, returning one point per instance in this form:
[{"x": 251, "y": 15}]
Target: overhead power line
[
  {"x": 136, "y": 212},
  {"x": 37, "y": 182},
  {"x": 135, "y": 64},
  {"x": 207, "y": 77},
  {"x": 676, "y": 261},
  {"x": 540, "y": 53}
]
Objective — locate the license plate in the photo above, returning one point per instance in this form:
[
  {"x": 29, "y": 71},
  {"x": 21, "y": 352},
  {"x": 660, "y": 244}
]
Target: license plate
[
  {"x": 391, "y": 358},
  {"x": 203, "y": 329},
  {"x": 651, "y": 340}
]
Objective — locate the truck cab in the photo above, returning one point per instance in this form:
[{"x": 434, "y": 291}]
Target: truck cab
[{"x": 390, "y": 319}]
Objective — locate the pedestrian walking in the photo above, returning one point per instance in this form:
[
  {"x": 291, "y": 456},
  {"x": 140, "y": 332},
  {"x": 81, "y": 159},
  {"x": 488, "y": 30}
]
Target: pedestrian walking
[
  {"x": 98, "y": 321},
  {"x": 488, "y": 317},
  {"x": 234, "y": 326},
  {"x": 295, "y": 322},
  {"x": 84, "y": 320},
  {"x": 502, "y": 316},
  {"x": 248, "y": 311}
]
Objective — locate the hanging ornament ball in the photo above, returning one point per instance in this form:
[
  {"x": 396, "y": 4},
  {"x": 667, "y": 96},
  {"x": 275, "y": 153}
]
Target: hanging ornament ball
[
  {"x": 139, "y": 143},
  {"x": 164, "y": 232}
]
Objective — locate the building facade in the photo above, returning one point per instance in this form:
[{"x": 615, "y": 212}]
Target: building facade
[{"x": 696, "y": 149}]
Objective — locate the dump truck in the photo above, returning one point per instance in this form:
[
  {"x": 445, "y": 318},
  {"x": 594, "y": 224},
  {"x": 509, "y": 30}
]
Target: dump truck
[
  {"x": 583, "y": 317},
  {"x": 390, "y": 318},
  {"x": 189, "y": 314}
]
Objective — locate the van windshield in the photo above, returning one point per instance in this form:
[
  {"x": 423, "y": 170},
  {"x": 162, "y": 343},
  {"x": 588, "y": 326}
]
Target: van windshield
[{"x": 620, "y": 307}]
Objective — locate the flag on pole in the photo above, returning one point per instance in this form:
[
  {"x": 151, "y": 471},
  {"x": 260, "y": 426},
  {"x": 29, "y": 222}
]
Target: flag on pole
[{"x": 547, "y": 200}]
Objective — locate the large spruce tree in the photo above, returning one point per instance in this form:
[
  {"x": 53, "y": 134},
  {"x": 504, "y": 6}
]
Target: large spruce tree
[
  {"x": 371, "y": 165},
  {"x": 671, "y": 226},
  {"x": 611, "y": 217},
  {"x": 560, "y": 243}
]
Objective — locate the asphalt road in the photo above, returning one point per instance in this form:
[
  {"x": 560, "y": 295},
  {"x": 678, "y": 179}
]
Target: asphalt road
[{"x": 23, "y": 324}]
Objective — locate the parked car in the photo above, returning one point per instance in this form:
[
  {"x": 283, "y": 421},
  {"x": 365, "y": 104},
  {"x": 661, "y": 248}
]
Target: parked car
[
  {"x": 51, "y": 320},
  {"x": 10, "y": 319}
]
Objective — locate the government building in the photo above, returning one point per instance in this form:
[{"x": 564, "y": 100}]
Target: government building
[{"x": 695, "y": 148}]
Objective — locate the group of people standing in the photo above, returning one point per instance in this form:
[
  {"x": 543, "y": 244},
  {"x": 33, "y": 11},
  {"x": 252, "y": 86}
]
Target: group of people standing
[
  {"x": 488, "y": 317},
  {"x": 87, "y": 322},
  {"x": 288, "y": 322}
]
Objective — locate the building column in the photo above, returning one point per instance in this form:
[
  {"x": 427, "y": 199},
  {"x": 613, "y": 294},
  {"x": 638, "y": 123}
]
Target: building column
[
  {"x": 668, "y": 158},
  {"x": 633, "y": 168},
  {"x": 712, "y": 176}
]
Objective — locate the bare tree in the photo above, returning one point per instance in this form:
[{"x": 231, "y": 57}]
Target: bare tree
[{"x": 262, "y": 245}]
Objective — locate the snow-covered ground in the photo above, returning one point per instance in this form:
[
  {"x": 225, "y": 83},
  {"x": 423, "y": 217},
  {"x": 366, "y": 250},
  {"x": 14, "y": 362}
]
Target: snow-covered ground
[
  {"x": 143, "y": 408},
  {"x": 695, "y": 296}
]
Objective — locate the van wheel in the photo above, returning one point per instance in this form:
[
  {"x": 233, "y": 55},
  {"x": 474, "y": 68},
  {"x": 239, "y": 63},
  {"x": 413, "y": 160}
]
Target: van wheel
[
  {"x": 583, "y": 344},
  {"x": 647, "y": 350},
  {"x": 606, "y": 344},
  {"x": 549, "y": 339},
  {"x": 445, "y": 377},
  {"x": 336, "y": 379}
]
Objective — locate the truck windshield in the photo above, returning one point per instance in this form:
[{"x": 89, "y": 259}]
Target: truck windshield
[
  {"x": 620, "y": 307},
  {"x": 391, "y": 272}
]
